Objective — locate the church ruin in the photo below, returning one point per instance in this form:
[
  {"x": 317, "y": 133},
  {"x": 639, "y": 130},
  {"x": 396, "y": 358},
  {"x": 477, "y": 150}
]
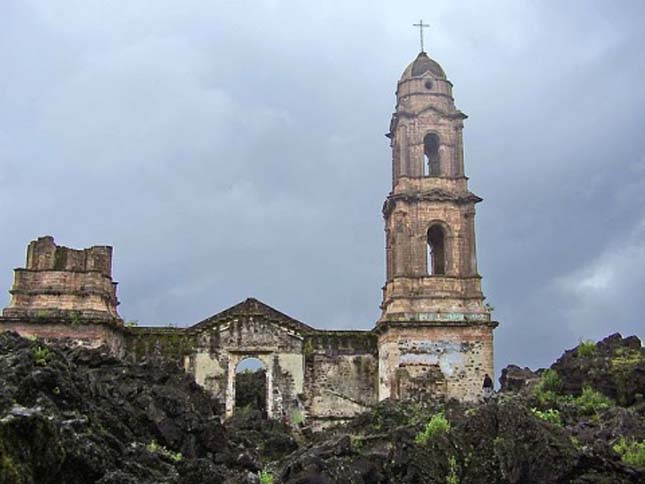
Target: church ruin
[{"x": 434, "y": 338}]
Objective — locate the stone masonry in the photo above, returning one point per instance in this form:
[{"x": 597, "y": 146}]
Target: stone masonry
[{"x": 434, "y": 339}]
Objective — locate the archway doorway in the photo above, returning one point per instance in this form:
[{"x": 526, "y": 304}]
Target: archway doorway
[{"x": 251, "y": 392}]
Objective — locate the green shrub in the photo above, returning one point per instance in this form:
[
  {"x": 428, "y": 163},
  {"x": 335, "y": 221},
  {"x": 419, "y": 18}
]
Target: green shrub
[
  {"x": 550, "y": 381},
  {"x": 548, "y": 388},
  {"x": 631, "y": 451},
  {"x": 551, "y": 415},
  {"x": 132, "y": 323},
  {"x": 266, "y": 477},
  {"x": 591, "y": 401},
  {"x": 308, "y": 349},
  {"x": 438, "y": 424},
  {"x": 452, "y": 477},
  {"x": 161, "y": 450},
  {"x": 626, "y": 359},
  {"x": 357, "y": 443},
  {"x": 75, "y": 318},
  {"x": 41, "y": 355},
  {"x": 586, "y": 349},
  {"x": 297, "y": 417}
]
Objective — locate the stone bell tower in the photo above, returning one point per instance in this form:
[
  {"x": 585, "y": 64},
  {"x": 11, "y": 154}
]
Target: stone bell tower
[{"x": 435, "y": 333}]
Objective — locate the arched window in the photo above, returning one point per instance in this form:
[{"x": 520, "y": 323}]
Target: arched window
[
  {"x": 436, "y": 250},
  {"x": 251, "y": 386},
  {"x": 431, "y": 155}
]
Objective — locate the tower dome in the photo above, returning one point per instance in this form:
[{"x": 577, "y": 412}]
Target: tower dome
[{"x": 421, "y": 65}]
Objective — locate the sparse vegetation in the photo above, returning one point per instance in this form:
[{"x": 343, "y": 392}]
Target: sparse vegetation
[
  {"x": 438, "y": 424},
  {"x": 550, "y": 415},
  {"x": 548, "y": 388},
  {"x": 75, "y": 318},
  {"x": 631, "y": 452},
  {"x": 297, "y": 418},
  {"x": 452, "y": 477},
  {"x": 623, "y": 363},
  {"x": 154, "y": 447},
  {"x": 591, "y": 401},
  {"x": 41, "y": 355},
  {"x": 551, "y": 381},
  {"x": 586, "y": 349},
  {"x": 308, "y": 349},
  {"x": 357, "y": 442},
  {"x": 132, "y": 323},
  {"x": 266, "y": 477}
]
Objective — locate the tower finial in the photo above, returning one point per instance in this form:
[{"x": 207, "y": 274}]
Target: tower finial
[{"x": 421, "y": 26}]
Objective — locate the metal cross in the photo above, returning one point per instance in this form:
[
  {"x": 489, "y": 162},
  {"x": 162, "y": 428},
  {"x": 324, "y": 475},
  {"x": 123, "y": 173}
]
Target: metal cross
[{"x": 421, "y": 26}]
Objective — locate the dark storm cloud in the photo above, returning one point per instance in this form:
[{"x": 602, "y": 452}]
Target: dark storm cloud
[{"x": 236, "y": 149}]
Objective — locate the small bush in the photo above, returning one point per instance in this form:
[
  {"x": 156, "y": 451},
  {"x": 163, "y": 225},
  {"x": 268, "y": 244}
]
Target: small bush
[
  {"x": 551, "y": 415},
  {"x": 586, "y": 349},
  {"x": 631, "y": 451},
  {"x": 591, "y": 401},
  {"x": 452, "y": 477},
  {"x": 438, "y": 424},
  {"x": 132, "y": 323},
  {"x": 266, "y": 477},
  {"x": 297, "y": 417},
  {"x": 548, "y": 388},
  {"x": 550, "y": 381},
  {"x": 308, "y": 349},
  {"x": 161, "y": 450},
  {"x": 41, "y": 355}
]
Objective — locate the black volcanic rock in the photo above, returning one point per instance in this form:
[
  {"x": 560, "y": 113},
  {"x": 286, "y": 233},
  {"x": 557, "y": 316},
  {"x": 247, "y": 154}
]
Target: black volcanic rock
[
  {"x": 615, "y": 367},
  {"x": 516, "y": 379},
  {"x": 73, "y": 415}
]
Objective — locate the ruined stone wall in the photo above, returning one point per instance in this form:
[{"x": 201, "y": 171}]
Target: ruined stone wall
[
  {"x": 341, "y": 374},
  {"x": 172, "y": 344},
  {"x": 322, "y": 376},
  {"x": 59, "y": 282},
  {"x": 218, "y": 351},
  {"x": 90, "y": 335},
  {"x": 411, "y": 355}
]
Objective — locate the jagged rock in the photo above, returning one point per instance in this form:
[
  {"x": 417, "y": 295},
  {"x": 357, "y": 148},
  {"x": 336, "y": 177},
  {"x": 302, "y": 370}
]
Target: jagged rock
[
  {"x": 615, "y": 367},
  {"x": 78, "y": 416},
  {"x": 516, "y": 379}
]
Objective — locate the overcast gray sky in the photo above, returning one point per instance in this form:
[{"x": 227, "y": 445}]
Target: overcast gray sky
[{"x": 229, "y": 149}]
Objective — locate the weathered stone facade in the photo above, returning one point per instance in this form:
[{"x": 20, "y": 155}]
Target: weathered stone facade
[{"x": 433, "y": 340}]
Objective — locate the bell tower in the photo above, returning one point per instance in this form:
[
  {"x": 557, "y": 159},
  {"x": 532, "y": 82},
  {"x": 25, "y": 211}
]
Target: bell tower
[{"x": 435, "y": 333}]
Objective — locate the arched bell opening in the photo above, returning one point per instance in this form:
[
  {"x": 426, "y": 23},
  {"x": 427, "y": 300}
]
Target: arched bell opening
[
  {"x": 431, "y": 159},
  {"x": 436, "y": 262}
]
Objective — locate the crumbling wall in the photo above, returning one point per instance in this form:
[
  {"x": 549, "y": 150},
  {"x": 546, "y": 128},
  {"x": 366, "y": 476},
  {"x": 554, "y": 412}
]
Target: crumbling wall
[
  {"x": 59, "y": 282},
  {"x": 218, "y": 350},
  {"x": 90, "y": 335},
  {"x": 341, "y": 375},
  {"x": 170, "y": 343},
  {"x": 411, "y": 354}
]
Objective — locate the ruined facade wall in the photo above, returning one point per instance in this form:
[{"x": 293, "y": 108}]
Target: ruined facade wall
[
  {"x": 58, "y": 280},
  {"x": 152, "y": 342},
  {"x": 219, "y": 350},
  {"x": 85, "y": 334},
  {"x": 463, "y": 353},
  {"x": 341, "y": 375}
]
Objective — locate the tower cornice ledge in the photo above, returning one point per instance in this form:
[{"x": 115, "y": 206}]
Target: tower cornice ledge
[{"x": 434, "y": 195}]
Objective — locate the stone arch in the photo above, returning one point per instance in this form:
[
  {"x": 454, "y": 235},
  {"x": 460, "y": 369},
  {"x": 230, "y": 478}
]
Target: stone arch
[
  {"x": 235, "y": 359},
  {"x": 250, "y": 385}
]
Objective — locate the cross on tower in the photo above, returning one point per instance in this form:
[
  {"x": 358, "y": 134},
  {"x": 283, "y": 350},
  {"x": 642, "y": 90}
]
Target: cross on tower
[{"x": 421, "y": 26}]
